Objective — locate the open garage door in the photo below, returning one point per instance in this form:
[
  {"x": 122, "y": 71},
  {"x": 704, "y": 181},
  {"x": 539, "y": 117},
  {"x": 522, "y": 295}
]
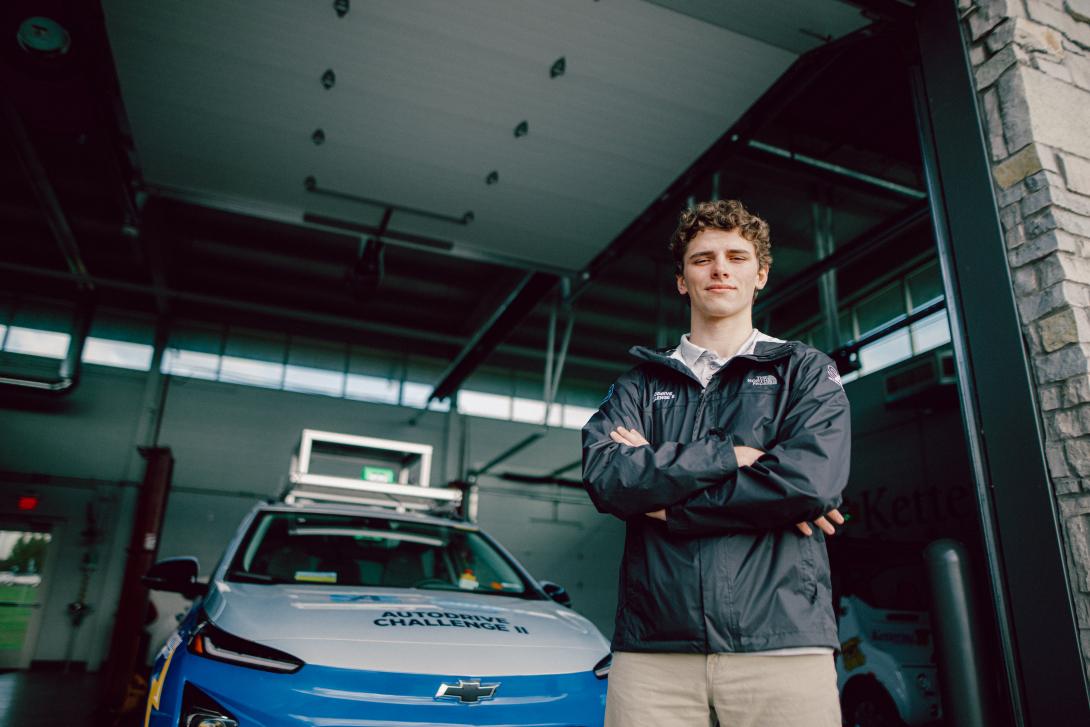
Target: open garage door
[{"x": 457, "y": 212}]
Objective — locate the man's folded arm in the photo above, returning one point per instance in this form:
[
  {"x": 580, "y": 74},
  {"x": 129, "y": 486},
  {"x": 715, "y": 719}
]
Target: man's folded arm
[
  {"x": 630, "y": 481},
  {"x": 798, "y": 480}
]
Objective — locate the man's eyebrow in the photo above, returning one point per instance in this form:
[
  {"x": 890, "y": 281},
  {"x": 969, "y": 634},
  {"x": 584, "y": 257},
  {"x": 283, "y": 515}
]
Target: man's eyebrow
[{"x": 730, "y": 251}]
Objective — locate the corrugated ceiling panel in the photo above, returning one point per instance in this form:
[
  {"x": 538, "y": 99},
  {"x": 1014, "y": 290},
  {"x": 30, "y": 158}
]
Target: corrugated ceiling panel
[{"x": 223, "y": 98}]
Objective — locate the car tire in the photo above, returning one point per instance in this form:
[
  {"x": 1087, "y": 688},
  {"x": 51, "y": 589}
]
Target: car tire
[{"x": 867, "y": 704}]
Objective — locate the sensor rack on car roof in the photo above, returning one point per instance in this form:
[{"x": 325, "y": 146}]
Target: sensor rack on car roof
[{"x": 331, "y": 467}]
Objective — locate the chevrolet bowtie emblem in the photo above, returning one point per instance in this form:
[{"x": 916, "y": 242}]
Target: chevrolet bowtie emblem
[{"x": 469, "y": 692}]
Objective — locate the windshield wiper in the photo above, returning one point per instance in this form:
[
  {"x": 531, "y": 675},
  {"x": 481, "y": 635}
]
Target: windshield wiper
[{"x": 247, "y": 577}]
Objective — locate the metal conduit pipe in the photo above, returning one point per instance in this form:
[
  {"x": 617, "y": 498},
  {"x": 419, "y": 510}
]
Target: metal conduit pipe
[{"x": 68, "y": 373}]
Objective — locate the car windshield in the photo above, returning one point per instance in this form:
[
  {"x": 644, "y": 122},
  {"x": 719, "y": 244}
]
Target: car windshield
[{"x": 350, "y": 550}]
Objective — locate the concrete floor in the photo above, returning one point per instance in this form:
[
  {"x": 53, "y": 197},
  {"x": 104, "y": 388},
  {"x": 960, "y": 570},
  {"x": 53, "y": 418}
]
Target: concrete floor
[{"x": 47, "y": 699}]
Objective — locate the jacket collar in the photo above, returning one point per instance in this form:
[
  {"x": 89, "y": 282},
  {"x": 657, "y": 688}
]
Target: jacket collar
[{"x": 763, "y": 351}]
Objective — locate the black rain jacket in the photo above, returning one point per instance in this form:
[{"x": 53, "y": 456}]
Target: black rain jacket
[{"x": 728, "y": 571}]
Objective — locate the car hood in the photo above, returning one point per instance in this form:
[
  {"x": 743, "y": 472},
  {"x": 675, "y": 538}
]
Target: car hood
[{"x": 421, "y": 632}]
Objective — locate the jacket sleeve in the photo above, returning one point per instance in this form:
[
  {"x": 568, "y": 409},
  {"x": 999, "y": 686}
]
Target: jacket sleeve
[
  {"x": 628, "y": 481},
  {"x": 797, "y": 480}
]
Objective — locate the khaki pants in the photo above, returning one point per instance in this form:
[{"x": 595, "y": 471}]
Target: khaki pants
[{"x": 741, "y": 690}]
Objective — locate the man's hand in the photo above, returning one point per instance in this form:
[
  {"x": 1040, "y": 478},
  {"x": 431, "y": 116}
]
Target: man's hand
[
  {"x": 628, "y": 437},
  {"x": 823, "y": 523},
  {"x": 746, "y": 456}
]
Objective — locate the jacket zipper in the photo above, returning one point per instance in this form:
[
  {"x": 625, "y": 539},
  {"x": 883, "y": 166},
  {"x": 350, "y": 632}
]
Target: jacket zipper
[{"x": 700, "y": 410}]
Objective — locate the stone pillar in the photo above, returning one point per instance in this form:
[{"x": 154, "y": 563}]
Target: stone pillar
[{"x": 1031, "y": 60}]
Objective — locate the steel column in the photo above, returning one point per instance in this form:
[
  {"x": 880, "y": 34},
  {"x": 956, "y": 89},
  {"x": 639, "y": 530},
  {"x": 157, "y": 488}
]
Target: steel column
[{"x": 1031, "y": 591}]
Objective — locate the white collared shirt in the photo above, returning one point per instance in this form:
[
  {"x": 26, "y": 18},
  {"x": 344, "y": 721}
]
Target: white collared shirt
[{"x": 704, "y": 362}]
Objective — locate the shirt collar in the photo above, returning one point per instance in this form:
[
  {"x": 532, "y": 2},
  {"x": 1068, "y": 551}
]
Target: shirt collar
[{"x": 690, "y": 353}]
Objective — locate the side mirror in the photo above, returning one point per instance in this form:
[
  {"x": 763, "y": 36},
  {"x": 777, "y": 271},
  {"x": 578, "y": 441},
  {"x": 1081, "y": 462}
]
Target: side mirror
[
  {"x": 556, "y": 592},
  {"x": 178, "y": 575}
]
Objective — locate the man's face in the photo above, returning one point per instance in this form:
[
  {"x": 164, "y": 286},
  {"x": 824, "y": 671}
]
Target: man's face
[{"x": 720, "y": 273}]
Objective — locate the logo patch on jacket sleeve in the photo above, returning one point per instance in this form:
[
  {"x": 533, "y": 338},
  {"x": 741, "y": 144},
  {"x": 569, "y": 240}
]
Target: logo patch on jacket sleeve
[
  {"x": 609, "y": 394},
  {"x": 833, "y": 375}
]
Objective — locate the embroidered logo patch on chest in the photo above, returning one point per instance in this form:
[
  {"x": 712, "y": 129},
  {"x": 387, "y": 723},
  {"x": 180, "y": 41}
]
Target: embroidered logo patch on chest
[
  {"x": 762, "y": 380},
  {"x": 663, "y": 396}
]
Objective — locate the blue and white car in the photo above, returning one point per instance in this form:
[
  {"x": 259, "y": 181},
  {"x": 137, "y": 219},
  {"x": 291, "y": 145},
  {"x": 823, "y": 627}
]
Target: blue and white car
[{"x": 326, "y": 614}]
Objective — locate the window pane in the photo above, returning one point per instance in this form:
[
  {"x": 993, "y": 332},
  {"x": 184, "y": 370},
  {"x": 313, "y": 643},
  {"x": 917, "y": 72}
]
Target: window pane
[
  {"x": 250, "y": 345},
  {"x": 556, "y": 415},
  {"x": 414, "y": 394},
  {"x": 43, "y": 316},
  {"x": 316, "y": 354},
  {"x": 118, "y": 353},
  {"x": 313, "y": 381},
  {"x": 196, "y": 338},
  {"x": 194, "y": 364},
  {"x": 235, "y": 370},
  {"x": 930, "y": 332},
  {"x": 33, "y": 342},
  {"x": 885, "y": 351},
  {"x": 111, "y": 325},
  {"x": 372, "y": 388},
  {"x": 576, "y": 416},
  {"x": 478, "y": 403},
  {"x": 925, "y": 285},
  {"x": 529, "y": 410},
  {"x": 880, "y": 308}
]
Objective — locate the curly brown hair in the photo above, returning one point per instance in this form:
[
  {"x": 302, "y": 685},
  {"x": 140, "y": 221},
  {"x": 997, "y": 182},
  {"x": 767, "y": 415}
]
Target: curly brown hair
[{"x": 726, "y": 215}]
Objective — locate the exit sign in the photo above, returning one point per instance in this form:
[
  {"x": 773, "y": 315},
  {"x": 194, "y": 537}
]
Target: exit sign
[{"x": 378, "y": 474}]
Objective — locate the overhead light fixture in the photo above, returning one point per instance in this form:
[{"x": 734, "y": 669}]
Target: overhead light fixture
[
  {"x": 522, "y": 129},
  {"x": 341, "y": 6},
  {"x": 318, "y": 137},
  {"x": 329, "y": 78},
  {"x": 559, "y": 66},
  {"x": 43, "y": 37},
  {"x": 492, "y": 178}
]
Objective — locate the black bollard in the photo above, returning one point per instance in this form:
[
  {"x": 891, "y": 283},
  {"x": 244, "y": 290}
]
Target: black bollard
[{"x": 953, "y": 621}]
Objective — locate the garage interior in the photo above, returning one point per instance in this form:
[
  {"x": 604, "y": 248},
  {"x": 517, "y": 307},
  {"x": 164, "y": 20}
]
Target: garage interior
[{"x": 440, "y": 223}]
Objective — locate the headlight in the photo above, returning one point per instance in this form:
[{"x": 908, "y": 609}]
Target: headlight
[
  {"x": 214, "y": 643},
  {"x": 601, "y": 669},
  {"x": 200, "y": 710}
]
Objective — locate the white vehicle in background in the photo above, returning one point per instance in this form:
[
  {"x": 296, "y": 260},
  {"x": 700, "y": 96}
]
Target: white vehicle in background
[{"x": 885, "y": 669}]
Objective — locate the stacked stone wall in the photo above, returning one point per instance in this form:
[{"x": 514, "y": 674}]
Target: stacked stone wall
[{"x": 1031, "y": 60}]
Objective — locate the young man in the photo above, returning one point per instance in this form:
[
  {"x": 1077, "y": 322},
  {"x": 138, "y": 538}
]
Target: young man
[{"x": 718, "y": 454}]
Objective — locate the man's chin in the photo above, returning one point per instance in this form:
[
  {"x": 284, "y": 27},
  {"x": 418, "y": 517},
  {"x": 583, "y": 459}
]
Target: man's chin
[{"x": 717, "y": 312}]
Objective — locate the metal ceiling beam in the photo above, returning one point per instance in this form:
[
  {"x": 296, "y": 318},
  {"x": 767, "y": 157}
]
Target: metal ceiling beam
[
  {"x": 246, "y": 306},
  {"x": 834, "y": 172},
  {"x": 47, "y": 198},
  {"x": 301, "y": 218},
  {"x": 887, "y": 9},
  {"x": 525, "y": 296}
]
